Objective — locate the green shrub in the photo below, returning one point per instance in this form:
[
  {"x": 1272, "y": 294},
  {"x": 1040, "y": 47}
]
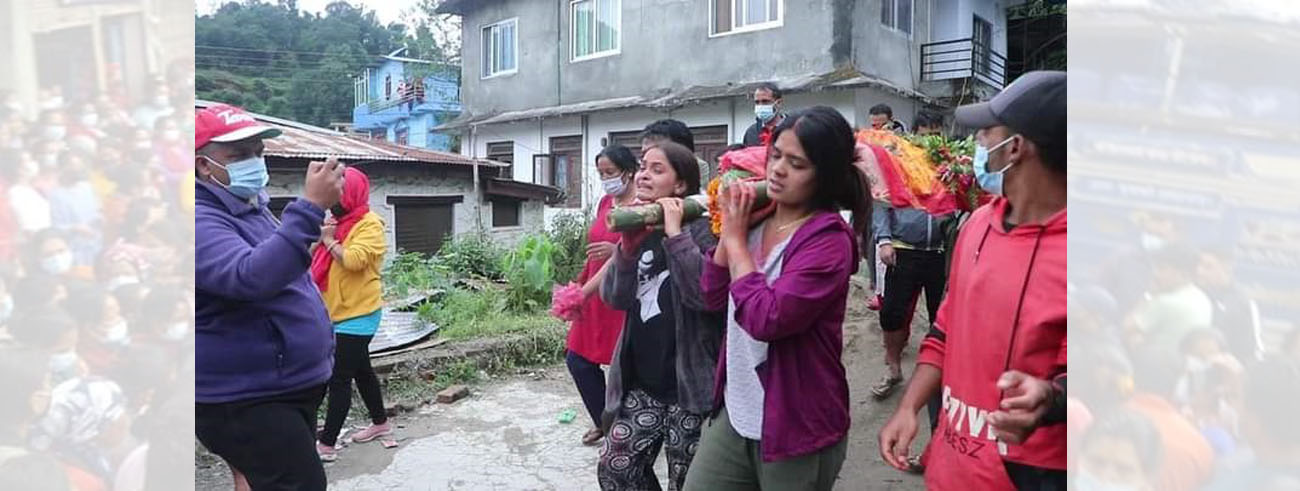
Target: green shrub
[
  {"x": 471, "y": 255},
  {"x": 569, "y": 234},
  {"x": 530, "y": 273},
  {"x": 410, "y": 273},
  {"x": 460, "y": 309}
]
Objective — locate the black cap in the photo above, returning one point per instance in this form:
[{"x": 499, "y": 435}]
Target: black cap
[{"x": 1033, "y": 106}]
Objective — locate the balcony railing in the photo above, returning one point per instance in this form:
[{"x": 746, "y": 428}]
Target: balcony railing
[
  {"x": 963, "y": 58},
  {"x": 416, "y": 96}
]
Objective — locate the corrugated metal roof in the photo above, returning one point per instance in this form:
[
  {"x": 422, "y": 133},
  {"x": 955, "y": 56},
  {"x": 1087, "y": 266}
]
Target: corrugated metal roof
[{"x": 312, "y": 142}]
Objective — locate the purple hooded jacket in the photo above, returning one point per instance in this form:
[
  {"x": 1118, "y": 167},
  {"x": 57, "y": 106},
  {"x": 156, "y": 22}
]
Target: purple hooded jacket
[
  {"x": 261, "y": 328},
  {"x": 801, "y": 316}
]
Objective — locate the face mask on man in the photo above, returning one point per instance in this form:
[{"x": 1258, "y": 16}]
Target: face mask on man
[
  {"x": 55, "y": 132},
  {"x": 615, "y": 185},
  {"x": 248, "y": 177},
  {"x": 171, "y": 135},
  {"x": 1152, "y": 242},
  {"x": 764, "y": 112},
  {"x": 177, "y": 331},
  {"x": 64, "y": 365},
  {"x": 161, "y": 101},
  {"x": 117, "y": 333},
  {"x": 90, "y": 119},
  {"x": 57, "y": 264},
  {"x": 990, "y": 181},
  {"x": 1086, "y": 481},
  {"x": 121, "y": 281},
  {"x": 6, "y": 308}
]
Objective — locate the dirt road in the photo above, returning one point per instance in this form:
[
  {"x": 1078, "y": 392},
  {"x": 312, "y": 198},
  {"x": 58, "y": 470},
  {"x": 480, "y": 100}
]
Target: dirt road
[{"x": 506, "y": 435}]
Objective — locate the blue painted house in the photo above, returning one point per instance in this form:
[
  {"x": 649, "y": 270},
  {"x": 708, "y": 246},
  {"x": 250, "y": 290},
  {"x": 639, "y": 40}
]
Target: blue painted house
[{"x": 401, "y": 100}]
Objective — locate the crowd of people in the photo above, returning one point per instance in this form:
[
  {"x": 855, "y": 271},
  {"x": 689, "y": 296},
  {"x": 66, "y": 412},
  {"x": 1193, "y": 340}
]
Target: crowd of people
[
  {"x": 1186, "y": 386},
  {"x": 725, "y": 351},
  {"x": 96, "y": 288}
]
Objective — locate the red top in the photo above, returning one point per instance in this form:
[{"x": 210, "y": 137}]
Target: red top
[
  {"x": 594, "y": 335},
  {"x": 356, "y": 200},
  {"x": 1006, "y": 293}
]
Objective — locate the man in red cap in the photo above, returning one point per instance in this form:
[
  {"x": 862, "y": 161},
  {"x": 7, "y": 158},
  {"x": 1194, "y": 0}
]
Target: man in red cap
[{"x": 263, "y": 339}]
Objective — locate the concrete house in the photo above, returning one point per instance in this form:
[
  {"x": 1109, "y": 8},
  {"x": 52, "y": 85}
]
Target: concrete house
[
  {"x": 424, "y": 196},
  {"x": 401, "y": 100},
  {"x": 546, "y": 84}
]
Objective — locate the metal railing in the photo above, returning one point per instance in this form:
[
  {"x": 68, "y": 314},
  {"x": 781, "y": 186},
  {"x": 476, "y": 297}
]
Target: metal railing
[
  {"x": 963, "y": 58},
  {"x": 417, "y": 96}
]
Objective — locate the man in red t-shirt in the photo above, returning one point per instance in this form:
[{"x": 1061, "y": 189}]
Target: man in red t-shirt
[{"x": 996, "y": 353}]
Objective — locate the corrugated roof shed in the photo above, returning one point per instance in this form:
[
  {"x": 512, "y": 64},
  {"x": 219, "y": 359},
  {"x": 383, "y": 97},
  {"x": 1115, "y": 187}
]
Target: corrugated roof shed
[{"x": 312, "y": 142}]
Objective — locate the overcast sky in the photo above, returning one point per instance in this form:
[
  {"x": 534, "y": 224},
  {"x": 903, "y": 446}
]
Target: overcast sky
[{"x": 386, "y": 10}]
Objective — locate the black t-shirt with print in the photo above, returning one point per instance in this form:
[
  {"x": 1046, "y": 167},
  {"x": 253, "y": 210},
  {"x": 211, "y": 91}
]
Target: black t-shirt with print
[{"x": 652, "y": 327}]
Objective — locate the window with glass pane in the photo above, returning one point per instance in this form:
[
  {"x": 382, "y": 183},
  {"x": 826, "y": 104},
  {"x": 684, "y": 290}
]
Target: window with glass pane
[
  {"x": 897, "y": 14},
  {"x": 607, "y": 25},
  {"x": 595, "y": 27},
  {"x": 499, "y": 48},
  {"x": 904, "y": 16},
  {"x": 729, "y": 15}
]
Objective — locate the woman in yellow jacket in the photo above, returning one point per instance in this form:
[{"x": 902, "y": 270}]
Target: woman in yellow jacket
[{"x": 346, "y": 267}]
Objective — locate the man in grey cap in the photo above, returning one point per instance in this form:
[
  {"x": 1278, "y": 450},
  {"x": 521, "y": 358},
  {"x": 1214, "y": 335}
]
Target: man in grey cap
[{"x": 996, "y": 351}]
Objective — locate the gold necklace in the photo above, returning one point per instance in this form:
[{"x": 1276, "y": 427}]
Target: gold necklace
[{"x": 793, "y": 223}]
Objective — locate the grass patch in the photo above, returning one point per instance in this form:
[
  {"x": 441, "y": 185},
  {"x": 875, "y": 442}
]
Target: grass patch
[
  {"x": 513, "y": 342},
  {"x": 464, "y": 314}
]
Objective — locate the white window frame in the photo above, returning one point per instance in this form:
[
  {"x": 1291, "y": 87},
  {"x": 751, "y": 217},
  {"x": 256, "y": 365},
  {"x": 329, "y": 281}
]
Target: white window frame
[
  {"x": 484, "y": 70},
  {"x": 893, "y": 26},
  {"x": 573, "y": 31},
  {"x": 762, "y": 26}
]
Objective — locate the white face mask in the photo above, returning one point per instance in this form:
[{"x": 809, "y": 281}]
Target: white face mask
[
  {"x": 57, "y": 264},
  {"x": 6, "y": 308},
  {"x": 172, "y": 135},
  {"x": 1086, "y": 481},
  {"x": 117, "y": 333},
  {"x": 90, "y": 119},
  {"x": 614, "y": 185},
  {"x": 121, "y": 281},
  {"x": 55, "y": 132},
  {"x": 1152, "y": 243},
  {"x": 64, "y": 364},
  {"x": 177, "y": 331}
]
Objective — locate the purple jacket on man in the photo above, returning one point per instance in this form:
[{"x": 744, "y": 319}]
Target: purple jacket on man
[
  {"x": 261, "y": 328},
  {"x": 801, "y": 317}
]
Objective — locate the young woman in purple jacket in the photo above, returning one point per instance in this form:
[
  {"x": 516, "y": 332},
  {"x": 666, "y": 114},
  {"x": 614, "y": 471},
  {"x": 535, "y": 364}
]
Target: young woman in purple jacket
[{"x": 781, "y": 396}]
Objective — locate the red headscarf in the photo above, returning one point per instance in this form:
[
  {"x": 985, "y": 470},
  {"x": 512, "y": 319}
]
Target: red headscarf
[{"x": 356, "y": 200}]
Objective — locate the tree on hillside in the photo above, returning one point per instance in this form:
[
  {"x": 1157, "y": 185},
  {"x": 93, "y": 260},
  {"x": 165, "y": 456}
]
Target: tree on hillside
[{"x": 276, "y": 60}]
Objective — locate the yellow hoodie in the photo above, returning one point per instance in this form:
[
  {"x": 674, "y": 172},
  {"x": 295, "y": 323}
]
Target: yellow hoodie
[{"x": 354, "y": 287}]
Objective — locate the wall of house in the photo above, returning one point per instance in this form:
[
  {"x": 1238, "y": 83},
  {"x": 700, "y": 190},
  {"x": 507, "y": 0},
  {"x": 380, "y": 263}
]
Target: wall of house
[
  {"x": 386, "y": 69},
  {"x": 658, "y": 41},
  {"x": 663, "y": 43},
  {"x": 533, "y": 137},
  {"x": 469, "y": 215},
  {"x": 887, "y": 53},
  {"x": 535, "y": 82}
]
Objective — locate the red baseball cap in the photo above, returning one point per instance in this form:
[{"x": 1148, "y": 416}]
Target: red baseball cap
[{"x": 225, "y": 123}]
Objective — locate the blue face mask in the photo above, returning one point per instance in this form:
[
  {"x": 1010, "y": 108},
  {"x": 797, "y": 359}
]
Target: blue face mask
[
  {"x": 248, "y": 177},
  {"x": 990, "y": 182},
  {"x": 764, "y": 112}
]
